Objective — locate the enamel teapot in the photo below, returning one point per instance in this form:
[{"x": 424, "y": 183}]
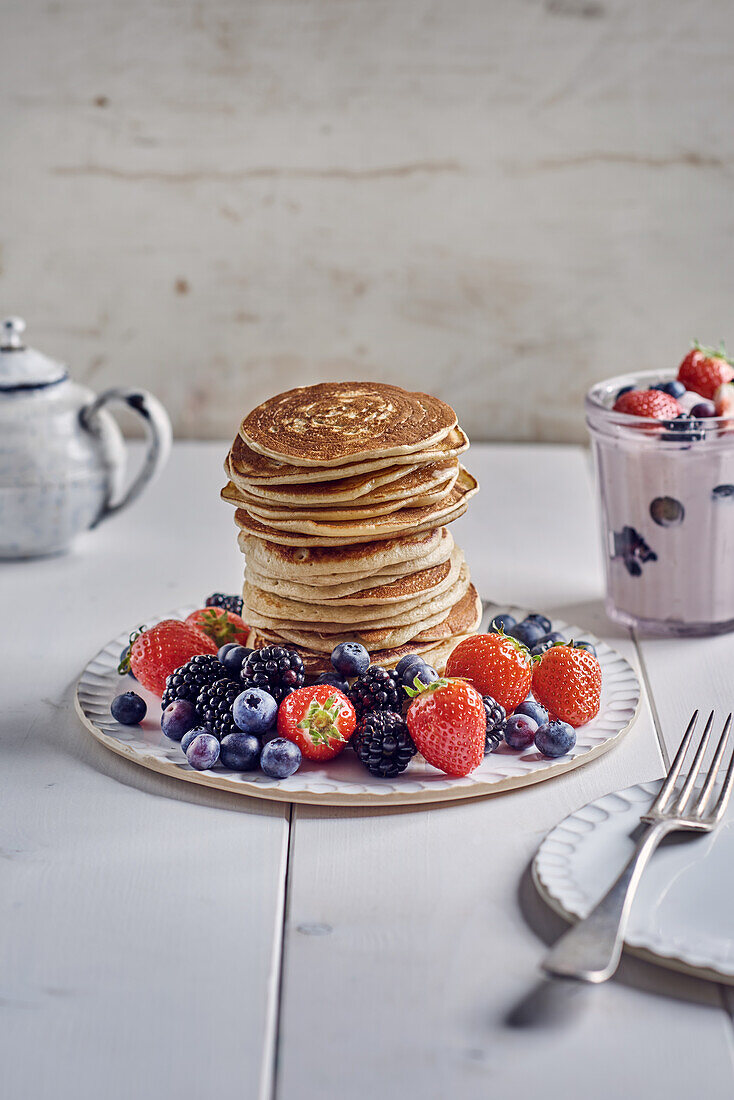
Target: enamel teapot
[{"x": 62, "y": 456}]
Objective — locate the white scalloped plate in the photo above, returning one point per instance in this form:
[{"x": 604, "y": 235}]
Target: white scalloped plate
[
  {"x": 343, "y": 781},
  {"x": 681, "y": 916}
]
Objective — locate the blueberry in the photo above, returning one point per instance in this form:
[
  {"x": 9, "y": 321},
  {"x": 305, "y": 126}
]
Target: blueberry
[
  {"x": 520, "y": 731},
  {"x": 624, "y": 541},
  {"x": 425, "y": 675},
  {"x": 203, "y": 752},
  {"x": 254, "y": 710},
  {"x": 528, "y": 632},
  {"x": 704, "y": 408},
  {"x": 234, "y": 659},
  {"x": 408, "y": 659},
  {"x": 128, "y": 708},
  {"x": 334, "y": 680},
  {"x": 675, "y": 388},
  {"x": 350, "y": 659},
  {"x": 544, "y": 643},
  {"x": 624, "y": 389},
  {"x": 271, "y": 735},
  {"x": 533, "y": 710},
  {"x": 503, "y": 621},
  {"x": 682, "y": 430},
  {"x": 555, "y": 738},
  {"x": 541, "y": 620},
  {"x": 189, "y": 737},
  {"x": 723, "y": 492},
  {"x": 224, "y": 650},
  {"x": 240, "y": 751},
  {"x": 410, "y": 669},
  {"x": 178, "y": 718},
  {"x": 644, "y": 553},
  {"x": 125, "y": 659},
  {"x": 587, "y": 646},
  {"x": 280, "y": 758},
  {"x": 667, "y": 511}
]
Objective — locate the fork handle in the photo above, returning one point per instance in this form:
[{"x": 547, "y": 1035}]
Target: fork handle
[{"x": 590, "y": 951}]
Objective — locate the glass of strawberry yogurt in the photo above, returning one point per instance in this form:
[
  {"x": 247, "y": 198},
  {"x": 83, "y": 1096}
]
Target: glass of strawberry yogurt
[{"x": 666, "y": 488}]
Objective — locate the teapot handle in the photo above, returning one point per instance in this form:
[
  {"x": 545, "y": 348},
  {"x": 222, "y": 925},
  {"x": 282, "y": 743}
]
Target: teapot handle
[{"x": 157, "y": 430}]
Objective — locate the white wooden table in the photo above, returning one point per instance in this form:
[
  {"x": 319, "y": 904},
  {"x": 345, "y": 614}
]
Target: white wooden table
[{"x": 160, "y": 940}]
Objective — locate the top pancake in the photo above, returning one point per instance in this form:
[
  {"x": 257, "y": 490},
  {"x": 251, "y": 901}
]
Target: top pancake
[
  {"x": 253, "y": 469},
  {"x": 334, "y": 423}
]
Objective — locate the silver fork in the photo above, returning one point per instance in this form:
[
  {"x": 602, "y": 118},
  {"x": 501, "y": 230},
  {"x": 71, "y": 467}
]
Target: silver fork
[{"x": 590, "y": 951}]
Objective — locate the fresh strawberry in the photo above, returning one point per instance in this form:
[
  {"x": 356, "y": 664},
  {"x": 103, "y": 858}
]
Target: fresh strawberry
[
  {"x": 567, "y": 682},
  {"x": 724, "y": 400},
  {"x": 705, "y": 369},
  {"x": 652, "y": 403},
  {"x": 448, "y": 723},
  {"x": 158, "y": 652},
  {"x": 319, "y": 719},
  {"x": 496, "y": 664},
  {"x": 222, "y": 626}
]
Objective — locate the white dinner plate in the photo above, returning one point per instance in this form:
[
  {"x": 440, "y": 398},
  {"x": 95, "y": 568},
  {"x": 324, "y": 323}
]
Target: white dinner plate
[
  {"x": 682, "y": 914},
  {"x": 344, "y": 781}
]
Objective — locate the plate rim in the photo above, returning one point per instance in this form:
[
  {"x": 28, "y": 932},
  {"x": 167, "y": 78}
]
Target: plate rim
[
  {"x": 454, "y": 790},
  {"x": 650, "y": 951}
]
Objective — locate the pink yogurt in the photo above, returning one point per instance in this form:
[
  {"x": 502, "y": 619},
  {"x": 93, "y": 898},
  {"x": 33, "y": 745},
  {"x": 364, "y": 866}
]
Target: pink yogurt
[{"x": 667, "y": 514}]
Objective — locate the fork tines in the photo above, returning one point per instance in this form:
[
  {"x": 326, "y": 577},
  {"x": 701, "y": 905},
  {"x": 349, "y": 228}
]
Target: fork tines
[{"x": 670, "y": 803}]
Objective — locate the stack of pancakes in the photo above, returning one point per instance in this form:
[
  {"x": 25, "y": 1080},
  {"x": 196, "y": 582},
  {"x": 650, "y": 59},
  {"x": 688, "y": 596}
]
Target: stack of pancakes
[{"x": 342, "y": 493}]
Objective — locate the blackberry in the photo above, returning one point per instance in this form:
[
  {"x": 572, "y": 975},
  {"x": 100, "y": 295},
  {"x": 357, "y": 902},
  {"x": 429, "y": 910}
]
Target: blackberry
[
  {"x": 383, "y": 744},
  {"x": 214, "y": 706},
  {"x": 275, "y": 669},
  {"x": 376, "y": 689},
  {"x": 496, "y": 715},
  {"x": 187, "y": 681},
  {"x": 229, "y": 603}
]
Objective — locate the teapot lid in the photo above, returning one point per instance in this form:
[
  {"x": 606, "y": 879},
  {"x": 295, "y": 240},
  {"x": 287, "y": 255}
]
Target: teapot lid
[{"x": 23, "y": 368}]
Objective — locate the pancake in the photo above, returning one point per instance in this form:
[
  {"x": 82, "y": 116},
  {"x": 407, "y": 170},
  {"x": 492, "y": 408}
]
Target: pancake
[
  {"x": 399, "y": 483},
  {"x": 464, "y": 617},
  {"x": 371, "y": 638},
  {"x": 443, "y": 586},
  {"x": 268, "y": 512},
  {"x": 292, "y": 590},
  {"x": 338, "y": 582},
  {"x": 253, "y": 527},
  {"x": 391, "y": 588},
  {"x": 334, "y": 423},
  {"x": 249, "y": 466},
  {"x": 324, "y": 564},
  {"x": 305, "y": 532},
  {"x": 263, "y": 610}
]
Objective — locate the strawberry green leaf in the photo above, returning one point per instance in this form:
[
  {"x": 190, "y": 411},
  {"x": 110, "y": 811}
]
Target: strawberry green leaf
[
  {"x": 216, "y": 623},
  {"x": 712, "y": 353},
  {"x": 421, "y": 689},
  {"x": 321, "y": 721},
  {"x": 124, "y": 666}
]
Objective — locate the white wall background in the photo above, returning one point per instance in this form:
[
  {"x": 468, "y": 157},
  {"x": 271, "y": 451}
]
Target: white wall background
[{"x": 496, "y": 200}]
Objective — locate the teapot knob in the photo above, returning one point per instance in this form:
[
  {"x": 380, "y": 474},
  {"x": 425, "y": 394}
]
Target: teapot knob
[{"x": 12, "y": 333}]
